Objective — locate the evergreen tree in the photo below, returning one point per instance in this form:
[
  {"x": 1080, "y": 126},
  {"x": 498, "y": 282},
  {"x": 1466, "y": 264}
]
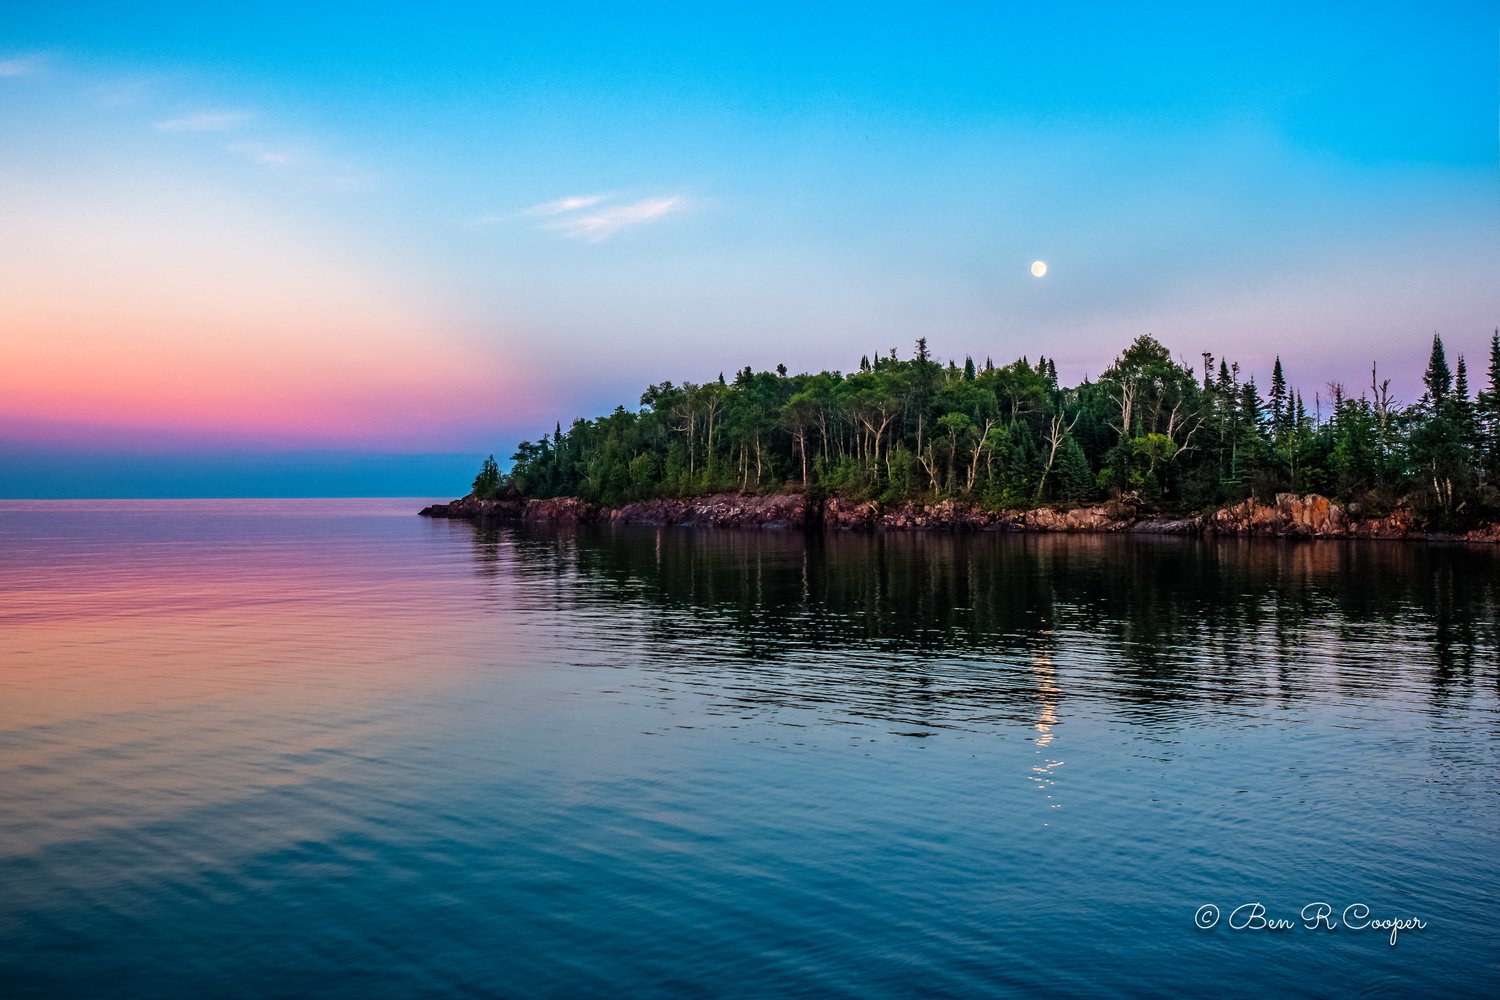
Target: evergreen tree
[
  {"x": 1075, "y": 480},
  {"x": 1489, "y": 418},
  {"x": 1438, "y": 378},
  {"x": 1278, "y": 402},
  {"x": 1250, "y": 445},
  {"x": 1465, "y": 419},
  {"x": 487, "y": 483},
  {"x": 1438, "y": 450}
]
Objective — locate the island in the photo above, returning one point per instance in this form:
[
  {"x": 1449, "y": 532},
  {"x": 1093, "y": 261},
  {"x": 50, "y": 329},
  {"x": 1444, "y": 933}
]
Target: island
[{"x": 1153, "y": 445}]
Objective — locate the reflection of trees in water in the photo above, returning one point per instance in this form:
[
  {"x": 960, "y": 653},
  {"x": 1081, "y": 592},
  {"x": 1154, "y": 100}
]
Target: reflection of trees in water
[{"x": 936, "y": 629}]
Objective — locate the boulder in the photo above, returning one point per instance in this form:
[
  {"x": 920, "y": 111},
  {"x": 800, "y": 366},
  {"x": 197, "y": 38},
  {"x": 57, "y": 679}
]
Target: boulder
[
  {"x": 849, "y": 514},
  {"x": 1310, "y": 516},
  {"x": 561, "y": 510},
  {"x": 472, "y": 508},
  {"x": 659, "y": 512},
  {"x": 745, "y": 510}
]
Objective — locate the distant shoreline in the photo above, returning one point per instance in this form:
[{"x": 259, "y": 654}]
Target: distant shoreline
[{"x": 1289, "y": 516}]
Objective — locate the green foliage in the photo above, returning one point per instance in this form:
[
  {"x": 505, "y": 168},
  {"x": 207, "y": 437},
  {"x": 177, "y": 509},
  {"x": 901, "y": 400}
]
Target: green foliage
[
  {"x": 1012, "y": 436},
  {"x": 1075, "y": 480},
  {"x": 487, "y": 483}
]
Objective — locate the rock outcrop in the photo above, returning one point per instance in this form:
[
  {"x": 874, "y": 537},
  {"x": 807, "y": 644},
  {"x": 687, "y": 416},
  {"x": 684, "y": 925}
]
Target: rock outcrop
[
  {"x": 1088, "y": 519},
  {"x": 850, "y": 515},
  {"x": 722, "y": 510},
  {"x": 1489, "y": 533},
  {"x": 946, "y": 515},
  {"x": 1310, "y": 516},
  {"x": 563, "y": 510},
  {"x": 471, "y": 508},
  {"x": 1289, "y": 516}
]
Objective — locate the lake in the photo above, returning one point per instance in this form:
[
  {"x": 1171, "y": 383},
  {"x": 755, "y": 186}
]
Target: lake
[{"x": 329, "y": 748}]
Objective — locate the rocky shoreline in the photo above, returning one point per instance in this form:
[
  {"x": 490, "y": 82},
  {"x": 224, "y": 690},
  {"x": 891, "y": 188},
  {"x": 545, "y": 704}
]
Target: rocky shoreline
[{"x": 1290, "y": 516}]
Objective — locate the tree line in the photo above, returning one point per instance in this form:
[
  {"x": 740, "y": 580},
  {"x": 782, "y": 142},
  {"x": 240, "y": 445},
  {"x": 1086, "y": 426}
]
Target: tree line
[{"x": 1163, "y": 432}]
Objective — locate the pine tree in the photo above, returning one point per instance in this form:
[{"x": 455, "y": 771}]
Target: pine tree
[
  {"x": 1278, "y": 402},
  {"x": 488, "y": 481},
  {"x": 1249, "y": 434},
  {"x": 1438, "y": 378},
  {"x": 1464, "y": 414},
  {"x": 1296, "y": 435},
  {"x": 1223, "y": 409},
  {"x": 1075, "y": 480},
  {"x": 969, "y": 373},
  {"x": 1489, "y": 417},
  {"x": 1438, "y": 449}
]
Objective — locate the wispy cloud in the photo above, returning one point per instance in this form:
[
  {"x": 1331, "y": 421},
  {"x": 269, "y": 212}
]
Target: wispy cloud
[
  {"x": 570, "y": 204},
  {"x": 205, "y": 121},
  {"x": 596, "y": 227},
  {"x": 12, "y": 66},
  {"x": 570, "y": 217}
]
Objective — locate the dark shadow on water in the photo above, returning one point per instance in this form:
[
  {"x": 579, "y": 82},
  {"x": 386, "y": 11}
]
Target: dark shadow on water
[{"x": 939, "y": 629}]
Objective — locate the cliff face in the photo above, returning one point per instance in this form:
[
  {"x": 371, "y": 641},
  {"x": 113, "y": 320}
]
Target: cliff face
[{"x": 1290, "y": 516}]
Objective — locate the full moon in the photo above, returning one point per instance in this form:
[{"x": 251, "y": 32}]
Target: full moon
[{"x": 1038, "y": 268}]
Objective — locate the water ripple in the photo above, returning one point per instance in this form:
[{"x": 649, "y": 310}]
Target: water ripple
[{"x": 270, "y": 748}]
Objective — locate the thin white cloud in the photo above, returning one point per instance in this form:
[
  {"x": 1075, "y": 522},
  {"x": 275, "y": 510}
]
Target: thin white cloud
[
  {"x": 570, "y": 204},
  {"x": 13, "y": 66},
  {"x": 596, "y": 227},
  {"x": 205, "y": 121},
  {"x": 568, "y": 215}
]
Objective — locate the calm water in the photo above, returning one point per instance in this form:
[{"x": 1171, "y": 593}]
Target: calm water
[{"x": 330, "y": 748}]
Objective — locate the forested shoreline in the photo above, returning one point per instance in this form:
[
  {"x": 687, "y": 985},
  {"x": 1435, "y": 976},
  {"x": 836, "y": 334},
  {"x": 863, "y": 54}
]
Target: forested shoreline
[{"x": 1151, "y": 429}]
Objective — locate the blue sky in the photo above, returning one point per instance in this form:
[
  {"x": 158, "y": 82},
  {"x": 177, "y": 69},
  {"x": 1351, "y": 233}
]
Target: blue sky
[{"x": 370, "y": 230}]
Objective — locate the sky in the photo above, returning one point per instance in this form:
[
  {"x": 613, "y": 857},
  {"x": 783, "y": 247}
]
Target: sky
[{"x": 248, "y": 250}]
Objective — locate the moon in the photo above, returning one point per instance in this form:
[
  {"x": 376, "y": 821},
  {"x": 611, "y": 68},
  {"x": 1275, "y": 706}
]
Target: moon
[{"x": 1038, "y": 268}]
